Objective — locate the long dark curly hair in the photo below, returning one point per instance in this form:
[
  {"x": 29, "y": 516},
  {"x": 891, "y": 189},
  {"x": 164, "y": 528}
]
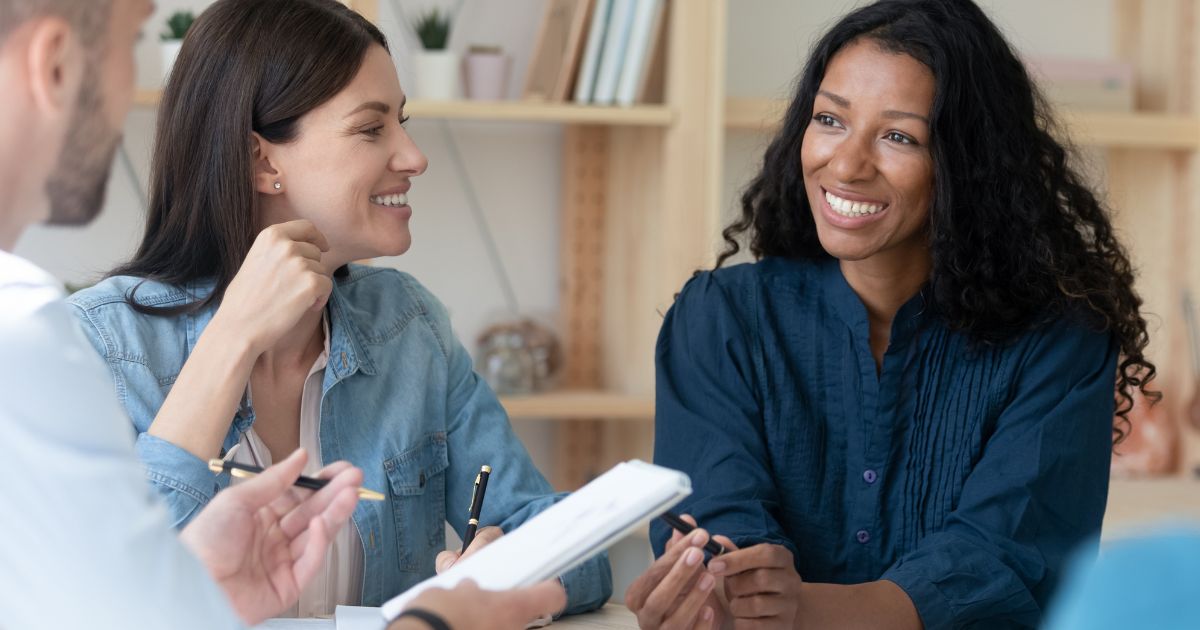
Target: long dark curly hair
[{"x": 1016, "y": 237}]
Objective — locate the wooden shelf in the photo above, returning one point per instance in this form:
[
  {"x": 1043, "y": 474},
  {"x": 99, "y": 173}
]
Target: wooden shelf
[
  {"x": 638, "y": 115},
  {"x": 1099, "y": 129},
  {"x": 1132, "y": 130},
  {"x": 516, "y": 111},
  {"x": 580, "y": 405},
  {"x": 1137, "y": 504}
]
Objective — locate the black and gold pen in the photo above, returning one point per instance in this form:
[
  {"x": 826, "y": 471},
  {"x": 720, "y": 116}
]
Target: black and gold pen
[
  {"x": 481, "y": 480},
  {"x": 246, "y": 471},
  {"x": 683, "y": 527}
]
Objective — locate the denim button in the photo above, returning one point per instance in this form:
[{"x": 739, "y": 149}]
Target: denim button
[
  {"x": 869, "y": 476},
  {"x": 863, "y": 536}
]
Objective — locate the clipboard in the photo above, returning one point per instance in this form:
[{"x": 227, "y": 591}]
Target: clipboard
[{"x": 566, "y": 534}]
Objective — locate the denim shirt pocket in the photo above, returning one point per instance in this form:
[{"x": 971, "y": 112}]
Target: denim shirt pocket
[{"x": 417, "y": 478}]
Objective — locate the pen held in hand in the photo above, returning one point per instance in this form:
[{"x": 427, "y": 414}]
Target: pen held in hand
[
  {"x": 713, "y": 547},
  {"x": 477, "y": 493},
  {"x": 246, "y": 471}
]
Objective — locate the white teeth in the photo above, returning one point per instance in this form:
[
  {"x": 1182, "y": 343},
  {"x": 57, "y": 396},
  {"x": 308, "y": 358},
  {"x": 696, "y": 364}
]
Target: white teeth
[
  {"x": 394, "y": 201},
  {"x": 848, "y": 208}
]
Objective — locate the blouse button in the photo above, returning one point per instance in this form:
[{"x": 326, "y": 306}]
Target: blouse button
[
  {"x": 870, "y": 476},
  {"x": 863, "y": 536}
]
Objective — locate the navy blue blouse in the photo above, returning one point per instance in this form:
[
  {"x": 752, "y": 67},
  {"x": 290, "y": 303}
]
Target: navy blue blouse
[{"x": 961, "y": 472}]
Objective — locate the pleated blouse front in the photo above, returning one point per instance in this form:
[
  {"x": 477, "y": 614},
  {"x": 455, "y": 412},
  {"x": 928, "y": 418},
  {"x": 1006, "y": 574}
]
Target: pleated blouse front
[{"x": 964, "y": 473}]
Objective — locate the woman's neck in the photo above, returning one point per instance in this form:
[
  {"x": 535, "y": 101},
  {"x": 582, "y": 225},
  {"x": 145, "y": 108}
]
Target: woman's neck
[
  {"x": 884, "y": 283},
  {"x": 299, "y": 347}
]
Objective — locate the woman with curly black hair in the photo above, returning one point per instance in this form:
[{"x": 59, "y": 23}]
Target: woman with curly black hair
[{"x": 902, "y": 413}]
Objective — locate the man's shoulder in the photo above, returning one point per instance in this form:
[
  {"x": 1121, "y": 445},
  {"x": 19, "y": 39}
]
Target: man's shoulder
[{"x": 24, "y": 288}]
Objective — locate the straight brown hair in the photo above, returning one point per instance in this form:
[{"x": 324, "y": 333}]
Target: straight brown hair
[{"x": 245, "y": 65}]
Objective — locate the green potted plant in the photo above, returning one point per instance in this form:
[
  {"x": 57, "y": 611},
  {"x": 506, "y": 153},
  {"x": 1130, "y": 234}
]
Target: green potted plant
[
  {"x": 172, "y": 39},
  {"x": 437, "y": 68}
]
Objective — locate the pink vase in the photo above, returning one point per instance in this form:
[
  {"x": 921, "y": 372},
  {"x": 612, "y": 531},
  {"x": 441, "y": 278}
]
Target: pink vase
[{"x": 486, "y": 75}]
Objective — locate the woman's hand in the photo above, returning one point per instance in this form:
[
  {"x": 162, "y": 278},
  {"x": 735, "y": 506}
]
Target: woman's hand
[
  {"x": 467, "y": 606},
  {"x": 676, "y": 591},
  {"x": 483, "y": 538},
  {"x": 281, "y": 279},
  {"x": 761, "y": 585}
]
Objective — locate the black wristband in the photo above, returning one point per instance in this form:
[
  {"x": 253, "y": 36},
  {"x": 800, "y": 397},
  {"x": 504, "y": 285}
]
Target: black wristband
[{"x": 433, "y": 619}]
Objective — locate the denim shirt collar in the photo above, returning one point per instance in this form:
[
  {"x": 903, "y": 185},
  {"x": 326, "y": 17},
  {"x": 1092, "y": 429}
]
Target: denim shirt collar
[{"x": 347, "y": 352}]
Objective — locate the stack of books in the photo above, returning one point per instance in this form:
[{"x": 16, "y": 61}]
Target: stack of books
[{"x": 601, "y": 52}]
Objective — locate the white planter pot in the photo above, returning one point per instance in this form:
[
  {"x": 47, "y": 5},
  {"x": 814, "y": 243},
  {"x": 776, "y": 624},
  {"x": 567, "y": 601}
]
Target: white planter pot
[
  {"x": 170, "y": 50},
  {"x": 438, "y": 75},
  {"x": 486, "y": 76}
]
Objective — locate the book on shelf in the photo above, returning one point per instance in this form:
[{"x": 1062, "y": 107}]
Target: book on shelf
[
  {"x": 653, "y": 84},
  {"x": 643, "y": 39},
  {"x": 599, "y": 51},
  {"x": 591, "y": 52},
  {"x": 557, "y": 51},
  {"x": 612, "y": 57}
]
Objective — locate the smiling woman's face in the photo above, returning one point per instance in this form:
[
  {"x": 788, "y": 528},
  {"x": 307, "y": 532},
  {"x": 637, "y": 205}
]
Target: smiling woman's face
[
  {"x": 350, "y": 168},
  {"x": 867, "y": 167}
]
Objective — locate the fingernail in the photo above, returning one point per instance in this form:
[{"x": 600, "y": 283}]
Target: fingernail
[
  {"x": 706, "y": 582},
  {"x": 708, "y": 614},
  {"x": 716, "y": 566},
  {"x": 698, "y": 538},
  {"x": 692, "y": 557}
]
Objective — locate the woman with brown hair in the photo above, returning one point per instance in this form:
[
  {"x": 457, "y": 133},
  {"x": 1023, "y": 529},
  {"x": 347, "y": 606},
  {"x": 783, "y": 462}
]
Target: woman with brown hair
[{"x": 240, "y": 328}]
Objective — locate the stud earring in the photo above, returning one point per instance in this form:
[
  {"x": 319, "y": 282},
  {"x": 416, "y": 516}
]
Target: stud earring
[{"x": 278, "y": 185}]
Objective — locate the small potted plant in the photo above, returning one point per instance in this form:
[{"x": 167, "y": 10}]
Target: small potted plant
[
  {"x": 437, "y": 68},
  {"x": 172, "y": 39}
]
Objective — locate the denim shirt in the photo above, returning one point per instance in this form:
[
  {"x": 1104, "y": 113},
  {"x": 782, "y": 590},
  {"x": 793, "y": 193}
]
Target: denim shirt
[{"x": 400, "y": 400}]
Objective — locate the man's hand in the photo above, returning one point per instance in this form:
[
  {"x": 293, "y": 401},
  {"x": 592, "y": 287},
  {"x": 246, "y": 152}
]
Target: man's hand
[
  {"x": 467, "y": 606},
  {"x": 264, "y": 540}
]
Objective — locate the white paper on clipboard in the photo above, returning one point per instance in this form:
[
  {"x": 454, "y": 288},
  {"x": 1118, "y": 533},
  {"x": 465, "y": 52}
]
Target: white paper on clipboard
[{"x": 580, "y": 526}]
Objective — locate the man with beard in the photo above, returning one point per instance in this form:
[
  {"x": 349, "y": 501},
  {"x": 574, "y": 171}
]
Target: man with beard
[{"x": 82, "y": 541}]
